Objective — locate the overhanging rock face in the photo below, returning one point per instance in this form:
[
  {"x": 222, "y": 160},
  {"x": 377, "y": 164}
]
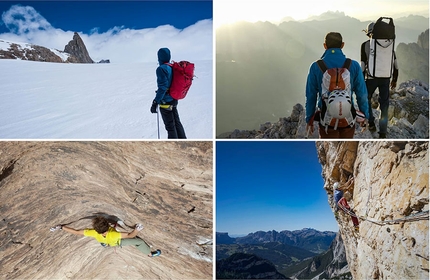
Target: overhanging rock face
[
  {"x": 390, "y": 196},
  {"x": 154, "y": 183}
]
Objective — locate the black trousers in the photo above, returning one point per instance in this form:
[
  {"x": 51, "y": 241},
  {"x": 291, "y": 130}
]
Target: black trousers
[
  {"x": 172, "y": 123},
  {"x": 383, "y": 85}
]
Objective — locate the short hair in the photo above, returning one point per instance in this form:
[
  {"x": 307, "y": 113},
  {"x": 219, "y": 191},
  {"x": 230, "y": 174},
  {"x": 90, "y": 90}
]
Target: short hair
[
  {"x": 333, "y": 40},
  {"x": 100, "y": 224}
]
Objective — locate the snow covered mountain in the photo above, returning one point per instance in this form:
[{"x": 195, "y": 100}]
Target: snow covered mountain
[
  {"x": 25, "y": 51},
  {"x": 74, "y": 52}
]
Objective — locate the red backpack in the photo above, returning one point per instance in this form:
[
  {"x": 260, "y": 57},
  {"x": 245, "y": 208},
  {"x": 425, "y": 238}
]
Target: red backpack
[{"x": 182, "y": 77}]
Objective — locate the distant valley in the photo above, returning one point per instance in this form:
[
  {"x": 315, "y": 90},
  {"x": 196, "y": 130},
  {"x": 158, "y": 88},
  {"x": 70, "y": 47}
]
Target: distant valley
[{"x": 287, "y": 252}]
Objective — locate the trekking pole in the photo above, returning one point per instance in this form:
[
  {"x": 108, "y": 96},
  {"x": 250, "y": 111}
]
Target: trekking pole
[{"x": 158, "y": 125}]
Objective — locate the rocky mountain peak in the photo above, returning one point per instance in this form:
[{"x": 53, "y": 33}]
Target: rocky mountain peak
[
  {"x": 423, "y": 40},
  {"x": 407, "y": 115},
  {"x": 78, "y": 50}
]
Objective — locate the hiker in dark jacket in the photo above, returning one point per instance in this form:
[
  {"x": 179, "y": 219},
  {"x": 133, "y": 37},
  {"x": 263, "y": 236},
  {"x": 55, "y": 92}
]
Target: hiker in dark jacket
[
  {"x": 168, "y": 105},
  {"x": 383, "y": 85},
  {"x": 333, "y": 57}
]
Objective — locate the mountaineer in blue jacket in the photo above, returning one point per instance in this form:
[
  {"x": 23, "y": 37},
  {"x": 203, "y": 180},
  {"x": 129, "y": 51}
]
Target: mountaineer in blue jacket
[
  {"x": 333, "y": 57},
  {"x": 168, "y": 105}
]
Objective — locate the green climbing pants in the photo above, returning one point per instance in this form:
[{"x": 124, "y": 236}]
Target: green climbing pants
[{"x": 138, "y": 243}]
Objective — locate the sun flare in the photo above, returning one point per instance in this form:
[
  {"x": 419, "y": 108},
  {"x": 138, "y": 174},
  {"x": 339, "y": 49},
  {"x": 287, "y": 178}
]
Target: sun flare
[{"x": 230, "y": 11}]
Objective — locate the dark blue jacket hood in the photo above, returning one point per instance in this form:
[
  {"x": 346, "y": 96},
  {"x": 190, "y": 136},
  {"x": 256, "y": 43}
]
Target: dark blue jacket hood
[{"x": 163, "y": 55}]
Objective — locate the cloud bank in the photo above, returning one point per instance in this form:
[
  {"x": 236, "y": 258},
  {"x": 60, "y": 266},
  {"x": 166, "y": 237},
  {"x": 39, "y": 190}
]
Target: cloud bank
[{"x": 118, "y": 44}]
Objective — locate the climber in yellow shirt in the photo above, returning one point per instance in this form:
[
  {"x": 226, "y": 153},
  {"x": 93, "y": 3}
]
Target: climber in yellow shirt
[{"x": 107, "y": 236}]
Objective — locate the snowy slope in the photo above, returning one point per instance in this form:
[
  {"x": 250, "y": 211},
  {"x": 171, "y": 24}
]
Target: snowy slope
[{"x": 42, "y": 100}]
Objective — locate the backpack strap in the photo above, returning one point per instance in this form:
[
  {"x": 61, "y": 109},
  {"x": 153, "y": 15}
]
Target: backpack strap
[
  {"x": 321, "y": 65},
  {"x": 347, "y": 63}
]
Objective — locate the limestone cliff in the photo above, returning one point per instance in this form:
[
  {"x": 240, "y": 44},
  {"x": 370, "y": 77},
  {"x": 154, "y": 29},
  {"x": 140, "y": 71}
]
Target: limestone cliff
[
  {"x": 390, "y": 196},
  {"x": 166, "y": 186}
]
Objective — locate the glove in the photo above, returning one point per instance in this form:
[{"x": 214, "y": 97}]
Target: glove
[
  {"x": 139, "y": 227},
  {"x": 154, "y": 107},
  {"x": 57, "y": 227}
]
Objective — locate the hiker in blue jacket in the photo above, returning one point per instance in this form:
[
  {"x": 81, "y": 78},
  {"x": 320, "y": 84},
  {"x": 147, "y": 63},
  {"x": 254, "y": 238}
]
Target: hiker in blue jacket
[
  {"x": 168, "y": 105},
  {"x": 333, "y": 57}
]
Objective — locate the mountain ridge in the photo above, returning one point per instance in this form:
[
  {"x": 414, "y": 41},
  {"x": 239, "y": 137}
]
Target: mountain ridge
[
  {"x": 74, "y": 52},
  {"x": 292, "y": 261},
  {"x": 307, "y": 238}
]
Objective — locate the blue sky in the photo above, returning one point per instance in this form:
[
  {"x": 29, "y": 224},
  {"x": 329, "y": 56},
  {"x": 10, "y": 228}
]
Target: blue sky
[
  {"x": 84, "y": 16},
  {"x": 122, "y": 31},
  {"x": 270, "y": 185}
]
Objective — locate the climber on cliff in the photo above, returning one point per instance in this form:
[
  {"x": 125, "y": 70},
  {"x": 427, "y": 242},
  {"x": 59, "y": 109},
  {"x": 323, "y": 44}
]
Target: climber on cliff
[
  {"x": 343, "y": 204},
  {"x": 341, "y": 199},
  {"x": 109, "y": 237},
  {"x": 338, "y": 190}
]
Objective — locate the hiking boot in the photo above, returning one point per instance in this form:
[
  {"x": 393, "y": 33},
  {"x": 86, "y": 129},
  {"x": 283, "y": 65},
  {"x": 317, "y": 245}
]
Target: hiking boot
[
  {"x": 382, "y": 135},
  {"x": 372, "y": 126}
]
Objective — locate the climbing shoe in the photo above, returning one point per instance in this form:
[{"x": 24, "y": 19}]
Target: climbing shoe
[
  {"x": 58, "y": 227},
  {"x": 155, "y": 253}
]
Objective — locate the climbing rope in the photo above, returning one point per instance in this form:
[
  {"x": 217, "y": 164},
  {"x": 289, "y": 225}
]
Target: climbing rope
[{"x": 414, "y": 217}]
